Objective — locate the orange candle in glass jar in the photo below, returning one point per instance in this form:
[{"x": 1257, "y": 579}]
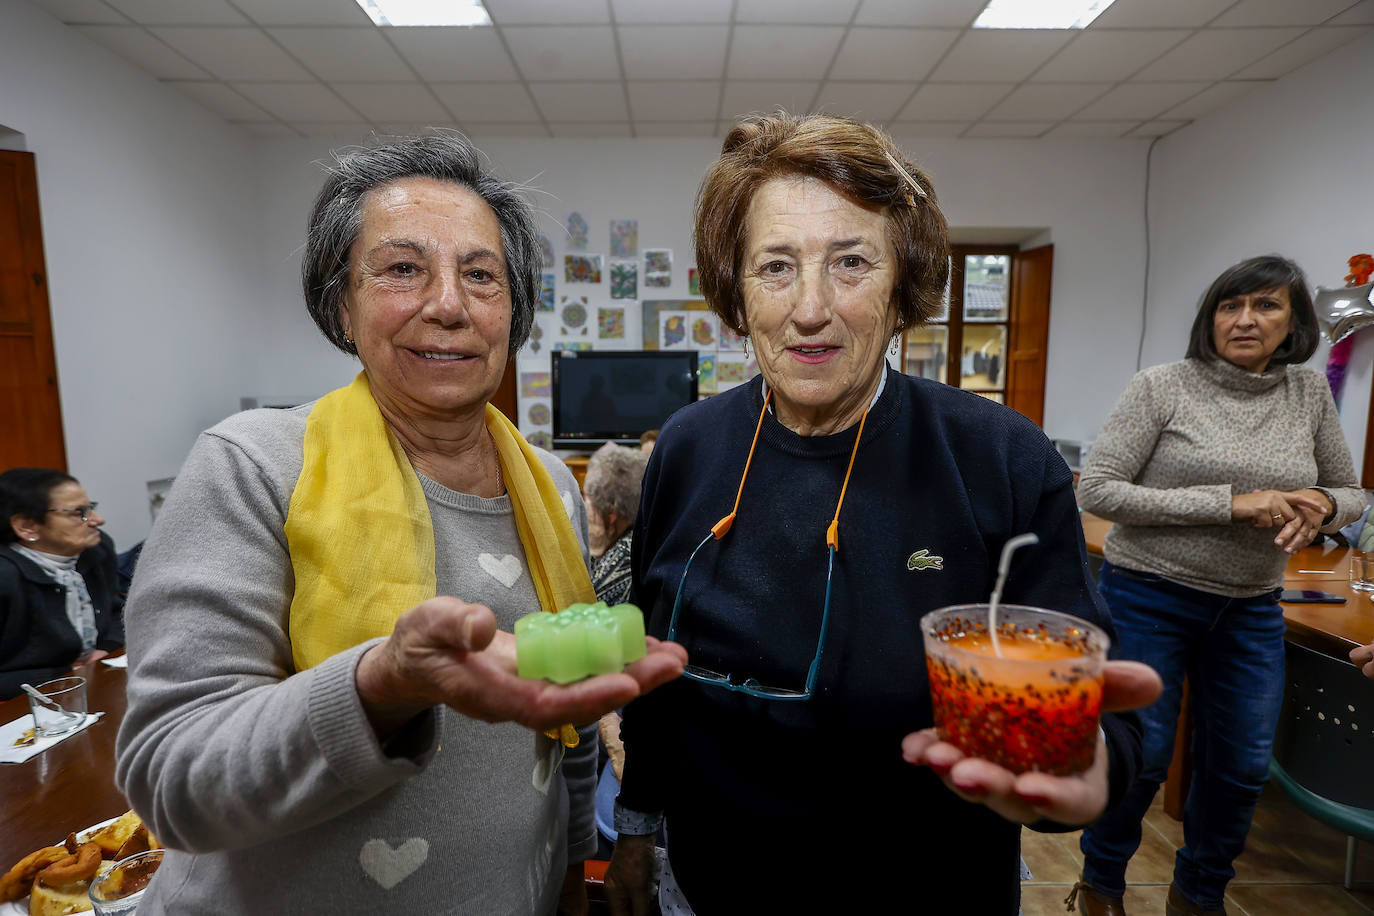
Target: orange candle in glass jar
[{"x": 1034, "y": 707}]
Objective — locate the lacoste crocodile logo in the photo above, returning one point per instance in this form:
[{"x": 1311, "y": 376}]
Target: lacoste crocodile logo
[{"x": 919, "y": 560}]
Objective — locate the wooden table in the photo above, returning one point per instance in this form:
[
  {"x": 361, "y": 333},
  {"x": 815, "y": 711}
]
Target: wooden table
[
  {"x": 1331, "y": 629},
  {"x": 71, "y": 784}
]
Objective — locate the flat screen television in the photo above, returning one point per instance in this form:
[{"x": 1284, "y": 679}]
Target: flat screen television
[{"x": 601, "y": 395}]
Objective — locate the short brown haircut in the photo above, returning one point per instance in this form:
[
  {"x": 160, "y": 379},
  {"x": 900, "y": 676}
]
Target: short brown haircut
[{"x": 857, "y": 161}]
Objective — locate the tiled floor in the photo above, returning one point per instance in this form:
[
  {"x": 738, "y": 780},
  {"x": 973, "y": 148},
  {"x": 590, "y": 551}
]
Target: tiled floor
[{"x": 1292, "y": 866}]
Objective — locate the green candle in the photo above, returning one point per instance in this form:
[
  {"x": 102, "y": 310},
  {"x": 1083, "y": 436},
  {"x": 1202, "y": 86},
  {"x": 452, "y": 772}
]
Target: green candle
[{"x": 578, "y": 641}]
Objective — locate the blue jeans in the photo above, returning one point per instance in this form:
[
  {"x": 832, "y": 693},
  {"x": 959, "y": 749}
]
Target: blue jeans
[{"x": 1231, "y": 650}]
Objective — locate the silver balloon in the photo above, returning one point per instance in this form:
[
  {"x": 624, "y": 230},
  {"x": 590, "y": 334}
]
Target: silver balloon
[{"x": 1344, "y": 311}]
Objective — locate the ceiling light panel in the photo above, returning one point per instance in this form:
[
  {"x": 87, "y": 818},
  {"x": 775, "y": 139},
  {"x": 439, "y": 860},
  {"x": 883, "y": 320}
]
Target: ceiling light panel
[
  {"x": 418, "y": 13},
  {"x": 1040, "y": 14}
]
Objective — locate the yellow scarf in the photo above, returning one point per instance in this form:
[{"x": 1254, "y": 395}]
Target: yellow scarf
[{"x": 361, "y": 539}]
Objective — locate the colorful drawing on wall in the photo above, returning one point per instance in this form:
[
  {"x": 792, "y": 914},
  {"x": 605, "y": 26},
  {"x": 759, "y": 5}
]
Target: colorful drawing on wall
[
  {"x": 541, "y": 439},
  {"x": 672, "y": 331},
  {"x": 534, "y": 384},
  {"x": 734, "y": 369},
  {"x": 728, "y": 341},
  {"x": 658, "y": 267},
  {"x": 704, "y": 332},
  {"x": 546, "y": 291},
  {"x": 624, "y": 279},
  {"x": 651, "y": 309},
  {"x": 539, "y": 414},
  {"x": 545, "y": 251},
  {"x": 624, "y": 238},
  {"x": 610, "y": 323},
  {"x": 574, "y": 345},
  {"x": 693, "y": 282},
  {"x": 574, "y": 314},
  {"x": 706, "y": 373},
  {"x": 582, "y": 268},
  {"x": 577, "y": 232}
]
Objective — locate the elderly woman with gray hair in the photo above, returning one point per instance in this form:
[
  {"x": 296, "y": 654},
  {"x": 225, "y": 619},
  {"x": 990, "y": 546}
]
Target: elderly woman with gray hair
[
  {"x": 611, "y": 494},
  {"x": 319, "y": 632}
]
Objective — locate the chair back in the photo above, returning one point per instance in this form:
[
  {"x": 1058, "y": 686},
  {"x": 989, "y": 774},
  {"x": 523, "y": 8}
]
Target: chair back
[{"x": 1325, "y": 738}]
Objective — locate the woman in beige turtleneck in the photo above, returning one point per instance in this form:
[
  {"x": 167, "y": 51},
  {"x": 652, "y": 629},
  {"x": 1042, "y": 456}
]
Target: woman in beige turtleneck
[{"x": 1215, "y": 470}]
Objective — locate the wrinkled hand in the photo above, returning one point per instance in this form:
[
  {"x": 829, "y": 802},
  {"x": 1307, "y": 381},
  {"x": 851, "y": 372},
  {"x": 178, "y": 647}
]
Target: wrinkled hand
[
  {"x": 89, "y": 658},
  {"x": 1028, "y": 797},
  {"x": 629, "y": 876},
  {"x": 448, "y": 651},
  {"x": 1298, "y": 514},
  {"x": 1363, "y": 657}
]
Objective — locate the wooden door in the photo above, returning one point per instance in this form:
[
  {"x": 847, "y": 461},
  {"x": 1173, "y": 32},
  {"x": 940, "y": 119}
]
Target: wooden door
[
  {"x": 504, "y": 399},
  {"x": 30, "y": 414},
  {"x": 1030, "y": 332}
]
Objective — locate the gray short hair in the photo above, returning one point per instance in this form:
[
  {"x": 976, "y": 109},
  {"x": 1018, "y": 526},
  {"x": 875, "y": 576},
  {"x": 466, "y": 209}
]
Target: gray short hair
[
  {"x": 614, "y": 477},
  {"x": 337, "y": 218}
]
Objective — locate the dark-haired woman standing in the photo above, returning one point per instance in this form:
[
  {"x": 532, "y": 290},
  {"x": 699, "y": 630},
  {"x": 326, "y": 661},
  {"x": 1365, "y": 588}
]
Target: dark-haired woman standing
[
  {"x": 1215, "y": 469},
  {"x": 60, "y": 605}
]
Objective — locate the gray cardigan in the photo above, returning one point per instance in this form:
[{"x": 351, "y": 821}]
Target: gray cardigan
[
  {"x": 268, "y": 782},
  {"x": 1183, "y": 438}
]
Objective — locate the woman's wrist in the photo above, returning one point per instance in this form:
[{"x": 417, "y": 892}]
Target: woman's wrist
[{"x": 383, "y": 694}]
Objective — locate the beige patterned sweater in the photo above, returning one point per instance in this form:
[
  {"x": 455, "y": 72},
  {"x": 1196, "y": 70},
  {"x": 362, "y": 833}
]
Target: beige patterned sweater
[{"x": 1185, "y": 437}]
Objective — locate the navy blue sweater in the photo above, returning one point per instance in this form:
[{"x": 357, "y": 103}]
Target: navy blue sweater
[{"x": 810, "y": 803}]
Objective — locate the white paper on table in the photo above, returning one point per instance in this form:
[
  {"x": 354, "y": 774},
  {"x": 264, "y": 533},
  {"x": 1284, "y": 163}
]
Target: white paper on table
[
  {"x": 11, "y": 732},
  {"x": 120, "y": 662}
]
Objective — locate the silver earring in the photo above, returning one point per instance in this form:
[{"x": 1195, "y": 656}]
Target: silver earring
[
  {"x": 746, "y": 346},
  {"x": 33, "y": 539},
  {"x": 896, "y": 344}
]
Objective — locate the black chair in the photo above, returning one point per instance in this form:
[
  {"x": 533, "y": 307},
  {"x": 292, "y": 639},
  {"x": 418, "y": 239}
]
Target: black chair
[{"x": 1324, "y": 746}]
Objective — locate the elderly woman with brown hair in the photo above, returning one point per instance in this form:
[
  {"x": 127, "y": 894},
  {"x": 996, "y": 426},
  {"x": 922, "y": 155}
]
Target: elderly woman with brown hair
[
  {"x": 783, "y": 761},
  {"x": 323, "y": 709}
]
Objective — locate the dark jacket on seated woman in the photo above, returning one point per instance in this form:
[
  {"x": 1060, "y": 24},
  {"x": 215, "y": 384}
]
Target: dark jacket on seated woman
[{"x": 37, "y": 640}]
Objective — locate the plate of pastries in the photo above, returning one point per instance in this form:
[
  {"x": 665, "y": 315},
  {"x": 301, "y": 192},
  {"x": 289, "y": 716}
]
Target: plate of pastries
[{"x": 56, "y": 880}]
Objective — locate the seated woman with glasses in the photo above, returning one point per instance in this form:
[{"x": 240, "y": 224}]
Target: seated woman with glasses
[
  {"x": 792, "y": 533},
  {"x": 60, "y": 606}
]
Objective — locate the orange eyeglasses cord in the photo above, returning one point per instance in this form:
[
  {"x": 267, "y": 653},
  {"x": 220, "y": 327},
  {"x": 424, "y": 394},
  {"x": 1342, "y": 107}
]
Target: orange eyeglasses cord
[{"x": 832, "y": 534}]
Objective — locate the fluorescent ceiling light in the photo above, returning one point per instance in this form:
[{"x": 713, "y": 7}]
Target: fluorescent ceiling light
[
  {"x": 1040, "y": 14},
  {"x": 426, "y": 12}
]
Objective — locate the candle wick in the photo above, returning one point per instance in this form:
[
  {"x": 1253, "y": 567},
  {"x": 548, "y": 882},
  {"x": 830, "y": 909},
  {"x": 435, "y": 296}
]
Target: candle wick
[{"x": 1003, "y": 567}]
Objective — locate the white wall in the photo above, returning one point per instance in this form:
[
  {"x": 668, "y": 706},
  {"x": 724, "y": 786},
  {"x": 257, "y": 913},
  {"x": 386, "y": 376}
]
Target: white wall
[
  {"x": 173, "y": 241},
  {"x": 1282, "y": 169},
  {"x": 1090, "y": 195},
  {"x": 148, "y": 242}
]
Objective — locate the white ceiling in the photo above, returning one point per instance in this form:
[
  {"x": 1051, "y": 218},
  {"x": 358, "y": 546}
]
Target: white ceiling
[{"x": 653, "y": 68}]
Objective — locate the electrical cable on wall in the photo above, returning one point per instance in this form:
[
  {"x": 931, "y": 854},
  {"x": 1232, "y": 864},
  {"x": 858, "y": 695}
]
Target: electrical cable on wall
[{"x": 1145, "y": 295}]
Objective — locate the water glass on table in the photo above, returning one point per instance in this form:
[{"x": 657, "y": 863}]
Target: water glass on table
[
  {"x": 1362, "y": 571},
  {"x": 62, "y": 706}
]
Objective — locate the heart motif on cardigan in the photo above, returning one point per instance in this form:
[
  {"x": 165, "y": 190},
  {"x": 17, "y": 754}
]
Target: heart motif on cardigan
[
  {"x": 505, "y": 570},
  {"x": 389, "y": 867}
]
